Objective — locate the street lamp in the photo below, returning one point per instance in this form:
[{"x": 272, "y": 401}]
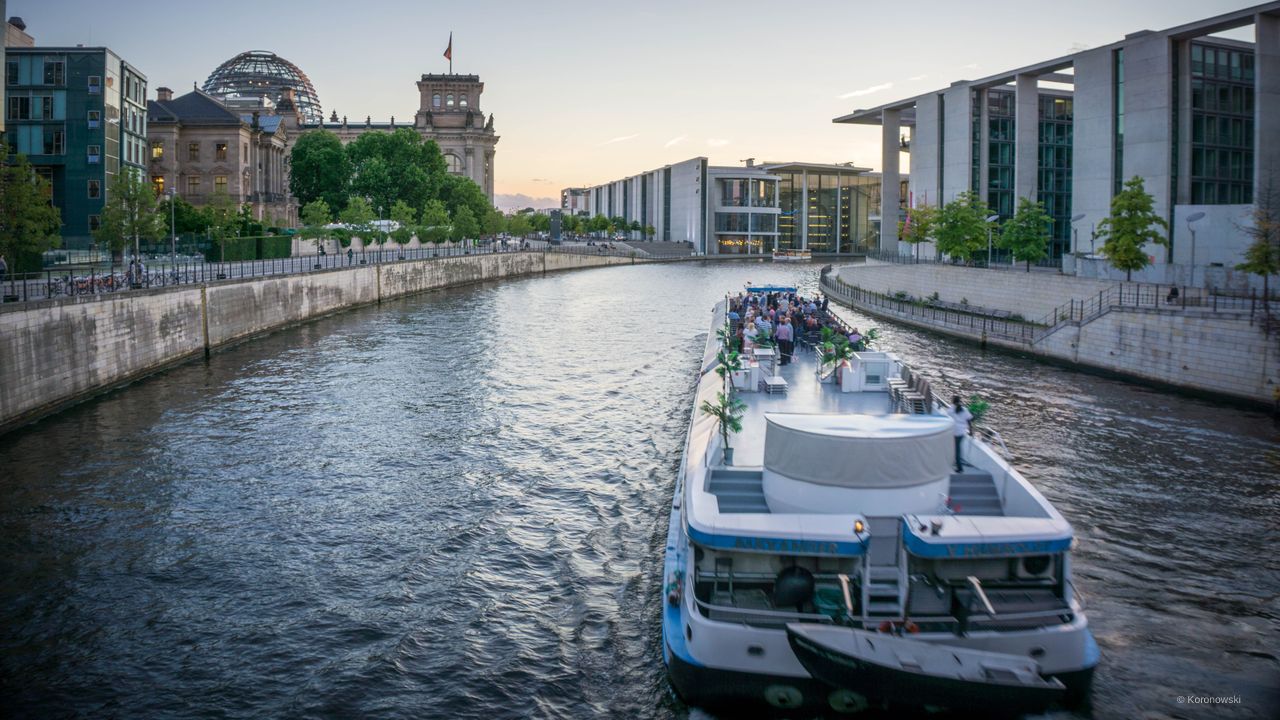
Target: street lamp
[
  {"x": 990, "y": 219},
  {"x": 1075, "y": 232},
  {"x": 173, "y": 235},
  {"x": 1193, "y": 217}
]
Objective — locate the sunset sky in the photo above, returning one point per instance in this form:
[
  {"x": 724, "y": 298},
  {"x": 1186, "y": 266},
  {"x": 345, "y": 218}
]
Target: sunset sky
[{"x": 584, "y": 92}]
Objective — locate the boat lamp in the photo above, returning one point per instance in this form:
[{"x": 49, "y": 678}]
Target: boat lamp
[{"x": 858, "y": 527}]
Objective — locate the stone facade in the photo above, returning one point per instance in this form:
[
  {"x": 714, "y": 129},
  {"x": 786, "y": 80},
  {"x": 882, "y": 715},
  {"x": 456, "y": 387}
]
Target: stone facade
[{"x": 199, "y": 147}]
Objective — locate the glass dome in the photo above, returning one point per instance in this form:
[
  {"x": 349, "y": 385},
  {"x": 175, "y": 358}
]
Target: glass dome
[{"x": 256, "y": 73}]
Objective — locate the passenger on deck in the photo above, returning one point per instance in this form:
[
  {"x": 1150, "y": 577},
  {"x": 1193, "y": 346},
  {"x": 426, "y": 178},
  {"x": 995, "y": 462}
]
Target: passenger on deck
[
  {"x": 963, "y": 420},
  {"x": 786, "y": 337}
]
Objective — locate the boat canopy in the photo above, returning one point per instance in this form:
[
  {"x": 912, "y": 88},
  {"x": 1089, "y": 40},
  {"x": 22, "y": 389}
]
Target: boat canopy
[
  {"x": 858, "y": 451},
  {"x": 769, "y": 288}
]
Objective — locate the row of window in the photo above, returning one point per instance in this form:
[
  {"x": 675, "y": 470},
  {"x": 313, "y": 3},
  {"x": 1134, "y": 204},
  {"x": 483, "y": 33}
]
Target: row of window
[
  {"x": 1214, "y": 164},
  {"x": 1216, "y": 130},
  {"x": 53, "y": 73},
  {"x": 448, "y": 100},
  {"x": 1219, "y": 62},
  {"x": 746, "y": 222},
  {"x": 1224, "y": 97},
  {"x": 1205, "y": 192}
]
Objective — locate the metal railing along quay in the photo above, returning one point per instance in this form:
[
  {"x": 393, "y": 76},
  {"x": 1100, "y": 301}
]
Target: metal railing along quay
[{"x": 47, "y": 284}]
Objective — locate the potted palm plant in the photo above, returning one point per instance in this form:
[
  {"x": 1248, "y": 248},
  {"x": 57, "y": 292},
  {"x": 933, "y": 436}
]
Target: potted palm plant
[{"x": 727, "y": 411}]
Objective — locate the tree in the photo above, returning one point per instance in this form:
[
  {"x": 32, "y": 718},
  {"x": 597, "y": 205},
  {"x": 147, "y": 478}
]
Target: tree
[
  {"x": 315, "y": 215},
  {"x": 599, "y": 223},
  {"x": 518, "y": 224},
  {"x": 1026, "y": 234},
  {"x": 187, "y": 218},
  {"x": 919, "y": 227},
  {"x": 319, "y": 169},
  {"x": 398, "y": 165},
  {"x": 458, "y": 192},
  {"x": 494, "y": 222},
  {"x": 961, "y": 228},
  {"x": 465, "y": 224},
  {"x": 635, "y": 226},
  {"x": 650, "y": 231},
  {"x": 130, "y": 212},
  {"x": 29, "y": 223},
  {"x": 407, "y": 217},
  {"x": 358, "y": 217},
  {"x": 223, "y": 221},
  {"x": 540, "y": 222},
  {"x": 1262, "y": 257},
  {"x": 1130, "y": 226}
]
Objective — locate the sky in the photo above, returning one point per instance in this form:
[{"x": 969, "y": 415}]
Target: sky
[{"x": 586, "y": 92}]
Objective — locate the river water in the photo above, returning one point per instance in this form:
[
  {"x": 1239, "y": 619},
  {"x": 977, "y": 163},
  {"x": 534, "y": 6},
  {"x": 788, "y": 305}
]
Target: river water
[{"x": 454, "y": 505}]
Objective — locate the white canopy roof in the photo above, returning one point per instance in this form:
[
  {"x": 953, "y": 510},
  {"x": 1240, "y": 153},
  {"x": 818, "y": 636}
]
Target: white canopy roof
[{"x": 859, "y": 451}]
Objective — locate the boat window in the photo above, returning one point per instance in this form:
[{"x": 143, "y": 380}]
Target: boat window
[{"x": 875, "y": 373}]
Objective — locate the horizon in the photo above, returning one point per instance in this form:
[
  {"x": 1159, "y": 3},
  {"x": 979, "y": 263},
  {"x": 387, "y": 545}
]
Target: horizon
[{"x": 576, "y": 105}]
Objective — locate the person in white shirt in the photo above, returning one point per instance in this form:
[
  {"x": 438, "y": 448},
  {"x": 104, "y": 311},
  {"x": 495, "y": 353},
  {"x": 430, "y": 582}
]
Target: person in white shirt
[{"x": 963, "y": 425}]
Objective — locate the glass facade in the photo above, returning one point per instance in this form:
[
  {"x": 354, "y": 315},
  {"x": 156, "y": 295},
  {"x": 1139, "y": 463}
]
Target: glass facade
[
  {"x": 733, "y": 192},
  {"x": 837, "y": 206},
  {"x": 1222, "y": 108},
  {"x": 764, "y": 193},
  {"x": 824, "y": 203},
  {"x": 789, "y": 222},
  {"x": 1000, "y": 153},
  {"x": 1117, "y": 61},
  {"x": 1053, "y": 176}
]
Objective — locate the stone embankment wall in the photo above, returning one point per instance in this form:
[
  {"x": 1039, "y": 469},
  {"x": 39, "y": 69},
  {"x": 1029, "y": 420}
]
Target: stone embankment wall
[
  {"x": 1222, "y": 353},
  {"x": 1033, "y": 295},
  {"x": 57, "y": 352}
]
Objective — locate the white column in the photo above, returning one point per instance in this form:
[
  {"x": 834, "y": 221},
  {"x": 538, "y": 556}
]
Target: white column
[
  {"x": 891, "y": 127},
  {"x": 1266, "y": 123},
  {"x": 1026, "y": 129}
]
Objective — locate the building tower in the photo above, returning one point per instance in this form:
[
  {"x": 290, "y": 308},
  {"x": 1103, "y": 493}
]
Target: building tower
[{"x": 449, "y": 113}]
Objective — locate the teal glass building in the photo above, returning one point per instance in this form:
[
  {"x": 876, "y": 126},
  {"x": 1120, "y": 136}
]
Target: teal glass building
[{"x": 79, "y": 115}]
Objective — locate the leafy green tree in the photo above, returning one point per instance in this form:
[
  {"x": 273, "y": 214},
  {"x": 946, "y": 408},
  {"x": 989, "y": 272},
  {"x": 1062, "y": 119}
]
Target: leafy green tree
[
  {"x": 650, "y": 231},
  {"x": 130, "y": 213},
  {"x": 29, "y": 223},
  {"x": 358, "y": 217},
  {"x": 315, "y": 215},
  {"x": 224, "y": 221},
  {"x": 319, "y": 169},
  {"x": 465, "y": 224},
  {"x": 458, "y": 192},
  {"x": 404, "y": 214},
  {"x": 961, "y": 228},
  {"x": 248, "y": 226},
  {"x": 635, "y": 226},
  {"x": 518, "y": 224},
  {"x": 494, "y": 222},
  {"x": 540, "y": 222},
  {"x": 1262, "y": 257},
  {"x": 1132, "y": 224},
  {"x": 435, "y": 214},
  {"x": 187, "y": 218},
  {"x": 1026, "y": 234},
  {"x": 919, "y": 227},
  {"x": 398, "y": 165},
  {"x": 599, "y": 223}
]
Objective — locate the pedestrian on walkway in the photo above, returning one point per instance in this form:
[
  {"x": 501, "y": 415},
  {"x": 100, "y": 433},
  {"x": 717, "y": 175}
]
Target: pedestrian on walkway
[{"x": 350, "y": 255}]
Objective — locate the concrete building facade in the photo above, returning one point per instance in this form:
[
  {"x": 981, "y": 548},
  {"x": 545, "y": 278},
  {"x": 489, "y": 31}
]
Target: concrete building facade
[
  {"x": 1189, "y": 112},
  {"x": 79, "y": 115},
  {"x": 755, "y": 209}
]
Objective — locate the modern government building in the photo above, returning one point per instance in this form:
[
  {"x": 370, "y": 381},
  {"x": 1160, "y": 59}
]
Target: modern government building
[
  {"x": 1196, "y": 115},
  {"x": 753, "y": 209}
]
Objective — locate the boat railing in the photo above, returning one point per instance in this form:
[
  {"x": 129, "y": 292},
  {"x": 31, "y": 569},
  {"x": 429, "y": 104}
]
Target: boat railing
[{"x": 756, "y": 616}]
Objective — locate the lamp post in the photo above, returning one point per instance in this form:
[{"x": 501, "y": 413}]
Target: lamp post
[
  {"x": 990, "y": 219},
  {"x": 1075, "y": 232},
  {"x": 1193, "y": 217},
  {"x": 173, "y": 235}
]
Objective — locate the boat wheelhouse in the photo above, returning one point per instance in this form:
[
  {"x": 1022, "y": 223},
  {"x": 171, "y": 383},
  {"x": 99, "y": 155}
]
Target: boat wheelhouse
[{"x": 842, "y": 513}]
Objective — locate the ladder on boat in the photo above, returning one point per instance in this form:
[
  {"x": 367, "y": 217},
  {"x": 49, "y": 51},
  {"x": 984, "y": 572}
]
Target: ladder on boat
[{"x": 884, "y": 571}]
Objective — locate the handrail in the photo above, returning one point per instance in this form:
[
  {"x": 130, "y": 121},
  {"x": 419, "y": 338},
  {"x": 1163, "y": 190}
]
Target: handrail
[{"x": 772, "y": 615}]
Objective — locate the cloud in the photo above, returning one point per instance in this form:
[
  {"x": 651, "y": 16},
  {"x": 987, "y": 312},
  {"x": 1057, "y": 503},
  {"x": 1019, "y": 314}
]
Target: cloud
[
  {"x": 917, "y": 78},
  {"x": 866, "y": 91},
  {"x": 717, "y": 142},
  {"x": 619, "y": 139},
  {"x": 539, "y": 180},
  {"x": 676, "y": 141},
  {"x": 520, "y": 201}
]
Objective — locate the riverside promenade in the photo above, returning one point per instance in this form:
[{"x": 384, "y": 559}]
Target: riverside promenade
[
  {"x": 58, "y": 351},
  {"x": 1223, "y": 346}
]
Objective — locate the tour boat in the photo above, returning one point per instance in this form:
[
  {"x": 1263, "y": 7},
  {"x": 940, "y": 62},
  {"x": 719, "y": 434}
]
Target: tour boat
[
  {"x": 840, "y": 562},
  {"x": 792, "y": 256}
]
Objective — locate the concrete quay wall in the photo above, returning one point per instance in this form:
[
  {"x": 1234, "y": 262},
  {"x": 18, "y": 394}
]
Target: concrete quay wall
[
  {"x": 1226, "y": 354},
  {"x": 57, "y": 352}
]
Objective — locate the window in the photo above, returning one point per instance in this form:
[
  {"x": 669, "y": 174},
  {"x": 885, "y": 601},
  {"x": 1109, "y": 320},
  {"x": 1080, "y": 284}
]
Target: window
[
  {"x": 19, "y": 108},
  {"x": 220, "y": 151},
  {"x": 462, "y": 101},
  {"x": 95, "y": 189},
  {"x": 157, "y": 184},
  {"x": 45, "y": 109},
  {"x": 219, "y": 183},
  {"x": 448, "y": 100},
  {"x": 193, "y": 186},
  {"x": 55, "y": 142},
  {"x": 157, "y": 150},
  {"x": 95, "y": 84},
  {"x": 245, "y": 157},
  {"x": 95, "y": 119},
  {"x": 11, "y": 72},
  {"x": 94, "y": 154},
  {"x": 435, "y": 99},
  {"x": 193, "y": 151},
  {"x": 54, "y": 72},
  {"x": 95, "y": 222}
]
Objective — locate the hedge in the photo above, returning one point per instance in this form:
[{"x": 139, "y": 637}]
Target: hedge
[{"x": 250, "y": 248}]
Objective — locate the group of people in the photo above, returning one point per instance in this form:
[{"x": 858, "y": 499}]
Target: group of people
[{"x": 783, "y": 316}]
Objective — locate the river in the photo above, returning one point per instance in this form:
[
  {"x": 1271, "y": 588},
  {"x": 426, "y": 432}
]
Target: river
[{"x": 454, "y": 505}]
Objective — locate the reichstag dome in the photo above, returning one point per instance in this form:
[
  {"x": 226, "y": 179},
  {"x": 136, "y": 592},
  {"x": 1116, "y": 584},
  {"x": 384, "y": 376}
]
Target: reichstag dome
[{"x": 256, "y": 73}]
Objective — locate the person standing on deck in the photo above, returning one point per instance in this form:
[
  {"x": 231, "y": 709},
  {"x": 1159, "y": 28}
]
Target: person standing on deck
[
  {"x": 963, "y": 425},
  {"x": 786, "y": 335}
]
